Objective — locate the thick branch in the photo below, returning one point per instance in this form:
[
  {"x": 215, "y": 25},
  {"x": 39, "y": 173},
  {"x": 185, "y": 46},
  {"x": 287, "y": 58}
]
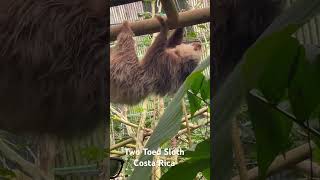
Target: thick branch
[
  {"x": 305, "y": 167},
  {"x": 293, "y": 156},
  {"x": 148, "y": 26},
  {"x": 171, "y": 11}
]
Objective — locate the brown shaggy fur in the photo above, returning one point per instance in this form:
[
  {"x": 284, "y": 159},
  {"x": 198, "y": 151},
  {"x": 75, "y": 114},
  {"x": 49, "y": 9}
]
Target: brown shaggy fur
[
  {"x": 52, "y": 67},
  {"x": 163, "y": 69}
]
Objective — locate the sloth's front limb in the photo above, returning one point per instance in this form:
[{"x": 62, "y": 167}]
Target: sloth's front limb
[
  {"x": 176, "y": 38},
  {"x": 159, "y": 44},
  {"x": 125, "y": 39}
]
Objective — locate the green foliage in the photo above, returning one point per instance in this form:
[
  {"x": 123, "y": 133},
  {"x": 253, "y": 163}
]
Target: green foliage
[
  {"x": 305, "y": 87},
  {"x": 191, "y": 35},
  {"x": 206, "y": 173},
  {"x": 145, "y": 15},
  {"x": 145, "y": 41},
  {"x": 230, "y": 95},
  {"x": 205, "y": 89},
  {"x": 275, "y": 65},
  {"x": 278, "y": 48},
  {"x": 197, "y": 83},
  {"x": 194, "y": 81},
  {"x": 271, "y": 129},
  {"x": 6, "y": 173},
  {"x": 197, "y": 161},
  {"x": 194, "y": 101}
]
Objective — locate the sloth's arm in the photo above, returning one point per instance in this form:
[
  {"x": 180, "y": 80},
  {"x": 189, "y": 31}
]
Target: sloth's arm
[
  {"x": 176, "y": 38},
  {"x": 159, "y": 44},
  {"x": 125, "y": 40}
]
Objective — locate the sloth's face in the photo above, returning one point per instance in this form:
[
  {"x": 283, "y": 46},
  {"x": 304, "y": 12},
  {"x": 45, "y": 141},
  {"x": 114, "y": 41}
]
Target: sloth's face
[
  {"x": 189, "y": 51},
  {"x": 190, "y": 55}
]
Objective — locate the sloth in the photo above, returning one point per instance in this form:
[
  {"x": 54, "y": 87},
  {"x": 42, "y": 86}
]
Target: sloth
[
  {"x": 162, "y": 70},
  {"x": 53, "y": 66}
]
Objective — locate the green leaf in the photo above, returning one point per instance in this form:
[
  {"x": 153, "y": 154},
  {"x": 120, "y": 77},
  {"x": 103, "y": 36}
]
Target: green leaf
[
  {"x": 205, "y": 89},
  {"x": 271, "y": 129},
  {"x": 6, "y": 173},
  {"x": 199, "y": 161},
  {"x": 274, "y": 80},
  {"x": 194, "y": 81},
  {"x": 197, "y": 82},
  {"x": 195, "y": 103},
  {"x": 191, "y": 35},
  {"x": 305, "y": 87},
  {"x": 267, "y": 63},
  {"x": 202, "y": 151},
  {"x": 206, "y": 173},
  {"x": 186, "y": 170}
]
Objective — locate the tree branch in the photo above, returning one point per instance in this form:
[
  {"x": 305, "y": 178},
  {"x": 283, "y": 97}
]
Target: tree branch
[
  {"x": 293, "y": 156},
  {"x": 148, "y": 26}
]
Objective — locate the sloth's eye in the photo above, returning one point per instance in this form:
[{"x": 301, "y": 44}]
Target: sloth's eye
[{"x": 196, "y": 46}]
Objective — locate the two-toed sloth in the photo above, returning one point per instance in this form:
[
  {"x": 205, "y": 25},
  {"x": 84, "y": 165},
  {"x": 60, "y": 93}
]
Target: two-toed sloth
[{"x": 162, "y": 70}]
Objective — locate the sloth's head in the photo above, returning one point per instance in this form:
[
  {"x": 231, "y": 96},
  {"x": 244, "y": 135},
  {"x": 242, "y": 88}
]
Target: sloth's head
[
  {"x": 187, "y": 57},
  {"x": 189, "y": 52},
  {"x": 190, "y": 55}
]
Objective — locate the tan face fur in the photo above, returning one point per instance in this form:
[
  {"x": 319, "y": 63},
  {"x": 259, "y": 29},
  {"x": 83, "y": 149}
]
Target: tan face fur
[{"x": 191, "y": 51}]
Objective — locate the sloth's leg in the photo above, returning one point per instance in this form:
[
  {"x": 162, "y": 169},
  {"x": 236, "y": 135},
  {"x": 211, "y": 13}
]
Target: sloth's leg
[
  {"x": 176, "y": 38},
  {"x": 125, "y": 41},
  {"x": 159, "y": 44}
]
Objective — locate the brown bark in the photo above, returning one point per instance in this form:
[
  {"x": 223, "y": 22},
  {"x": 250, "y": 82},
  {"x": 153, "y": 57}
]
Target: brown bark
[
  {"x": 171, "y": 11},
  {"x": 305, "y": 168},
  {"x": 148, "y": 26}
]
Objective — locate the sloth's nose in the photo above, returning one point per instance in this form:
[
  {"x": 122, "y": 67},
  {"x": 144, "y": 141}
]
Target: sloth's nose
[{"x": 197, "y": 46}]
